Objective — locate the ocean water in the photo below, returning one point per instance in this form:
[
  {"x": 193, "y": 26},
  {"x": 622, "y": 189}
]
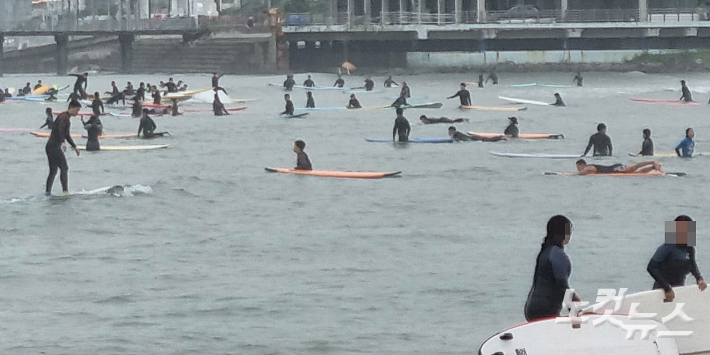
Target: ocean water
[{"x": 207, "y": 253}]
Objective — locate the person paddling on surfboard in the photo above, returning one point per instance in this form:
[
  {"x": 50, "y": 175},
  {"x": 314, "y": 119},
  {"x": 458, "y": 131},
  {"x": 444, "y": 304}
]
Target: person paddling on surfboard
[
  {"x": 512, "y": 129},
  {"x": 55, "y": 148},
  {"x": 148, "y": 126},
  {"x": 463, "y": 95},
  {"x": 647, "y": 145},
  {"x": 353, "y": 103},
  {"x": 401, "y": 127},
  {"x": 302, "y": 161},
  {"x": 432, "y": 120},
  {"x": 686, "y": 147},
  {"x": 675, "y": 259},
  {"x": 218, "y": 106},
  {"x": 600, "y": 141},
  {"x": 558, "y": 101},
  {"x": 389, "y": 82},
  {"x": 578, "y": 79},
  {"x": 49, "y": 120},
  {"x": 553, "y": 269},
  {"x": 686, "y": 95},
  {"x": 310, "y": 102},
  {"x": 369, "y": 84},
  {"x": 643, "y": 167},
  {"x": 289, "y": 106},
  {"x": 309, "y": 83},
  {"x": 463, "y": 137},
  {"x": 93, "y": 129}
]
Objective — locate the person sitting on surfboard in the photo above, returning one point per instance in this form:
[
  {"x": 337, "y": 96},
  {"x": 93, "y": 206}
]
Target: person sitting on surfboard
[
  {"x": 512, "y": 129},
  {"x": 55, "y": 148},
  {"x": 463, "y": 137},
  {"x": 600, "y": 141},
  {"x": 289, "y": 82},
  {"x": 643, "y": 167},
  {"x": 369, "y": 84},
  {"x": 354, "y": 103},
  {"x": 405, "y": 92},
  {"x": 25, "y": 91},
  {"x": 686, "y": 147},
  {"x": 39, "y": 85},
  {"x": 340, "y": 82},
  {"x": 647, "y": 145},
  {"x": 49, "y": 120},
  {"x": 686, "y": 95},
  {"x": 310, "y": 102},
  {"x": 218, "y": 106},
  {"x": 309, "y": 83},
  {"x": 463, "y": 95},
  {"x": 432, "y": 120},
  {"x": 302, "y": 161},
  {"x": 401, "y": 127},
  {"x": 558, "y": 100},
  {"x": 552, "y": 271},
  {"x": 289, "y": 106},
  {"x": 148, "y": 126},
  {"x": 675, "y": 259},
  {"x": 389, "y": 82},
  {"x": 579, "y": 79},
  {"x": 93, "y": 129}
]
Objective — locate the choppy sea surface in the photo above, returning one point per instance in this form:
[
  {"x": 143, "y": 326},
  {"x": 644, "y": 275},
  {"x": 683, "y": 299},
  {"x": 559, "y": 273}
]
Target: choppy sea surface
[{"x": 205, "y": 252}]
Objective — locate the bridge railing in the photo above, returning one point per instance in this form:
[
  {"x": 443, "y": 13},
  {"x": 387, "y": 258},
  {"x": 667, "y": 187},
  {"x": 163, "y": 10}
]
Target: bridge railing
[
  {"x": 50, "y": 24},
  {"x": 677, "y": 15}
]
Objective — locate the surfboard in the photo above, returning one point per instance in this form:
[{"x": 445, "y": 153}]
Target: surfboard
[
  {"x": 109, "y": 148},
  {"x": 120, "y": 114},
  {"x": 554, "y": 86},
  {"x": 546, "y": 337},
  {"x": 696, "y": 305},
  {"x": 413, "y": 140},
  {"x": 411, "y": 98},
  {"x": 493, "y": 108},
  {"x": 524, "y": 101},
  {"x": 172, "y": 95},
  {"x": 299, "y": 115},
  {"x": 14, "y": 130},
  {"x": 320, "y": 108},
  {"x": 654, "y": 101},
  {"x": 429, "y": 105},
  {"x": 522, "y": 135},
  {"x": 81, "y": 113},
  {"x": 196, "y": 110},
  {"x": 242, "y": 101},
  {"x": 41, "y": 90},
  {"x": 525, "y": 85},
  {"x": 361, "y": 91},
  {"x": 542, "y": 156},
  {"x": 317, "y": 87},
  {"x": 650, "y": 173},
  {"x": 336, "y": 174},
  {"x": 665, "y": 155}
]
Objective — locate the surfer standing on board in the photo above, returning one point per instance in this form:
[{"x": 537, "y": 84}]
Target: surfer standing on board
[
  {"x": 302, "y": 161},
  {"x": 552, "y": 271},
  {"x": 675, "y": 259},
  {"x": 643, "y": 167},
  {"x": 289, "y": 106},
  {"x": 401, "y": 127},
  {"x": 686, "y": 95},
  {"x": 55, "y": 148},
  {"x": 215, "y": 83},
  {"x": 600, "y": 141},
  {"x": 492, "y": 76},
  {"x": 686, "y": 147},
  {"x": 463, "y": 95}
]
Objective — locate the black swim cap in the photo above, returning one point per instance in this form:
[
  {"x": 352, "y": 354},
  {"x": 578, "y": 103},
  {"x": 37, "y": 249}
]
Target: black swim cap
[
  {"x": 74, "y": 103},
  {"x": 601, "y": 126},
  {"x": 581, "y": 161},
  {"x": 683, "y": 218}
]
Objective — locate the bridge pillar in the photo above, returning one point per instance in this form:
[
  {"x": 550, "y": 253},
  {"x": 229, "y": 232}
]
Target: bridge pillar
[
  {"x": 62, "y": 53},
  {"x": 368, "y": 12},
  {"x": 126, "y": 53},
  {"x": 563, "y": 10},
  {"x": 384, "y": 18},
  {"x": 643, "y": 11},
  {"x": 440, "y": 10},
  {"x": 458, "y": 5},
  {"x": 2, "y": 48},
  {"x": 481, "y": 11},
  {"x": 351, "y": 12}
]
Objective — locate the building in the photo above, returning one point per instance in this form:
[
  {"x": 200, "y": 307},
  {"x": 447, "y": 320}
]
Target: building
[{"x": 12, "y": 12}]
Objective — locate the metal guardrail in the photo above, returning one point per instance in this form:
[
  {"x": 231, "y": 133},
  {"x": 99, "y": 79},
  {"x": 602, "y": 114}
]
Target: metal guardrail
[
  {"x": 50, "y": 24},
  {"x": 677, "y": 15}
]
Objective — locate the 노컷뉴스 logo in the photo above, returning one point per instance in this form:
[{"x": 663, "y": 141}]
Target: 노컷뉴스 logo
[{"x": 605, "y": 297}]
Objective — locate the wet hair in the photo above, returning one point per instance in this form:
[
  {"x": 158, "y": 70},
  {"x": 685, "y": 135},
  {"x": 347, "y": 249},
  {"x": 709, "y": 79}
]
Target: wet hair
[
  {"x": 308, "y": 93},
  {"x": 48, "y": 110},
  {"x": 399, "y": 111},
  {"x": 683, "y": 218},
  {"x": 96, "y": 94},
  {"x": 463, "y": 84},
  {"x": 687, "y": 130},
  {"x": 557, "y": 228},
  {"x": 600, "y": 127},
  {"x": 352, "y": 96},
  {"x": 581, "y": 161},
  {"x": 422, "y": 117},
  {"x": 452, "y": 128},
  {"x": 86, "y": 74},
  {"x": 300, "y": 144},
  {"x": 287, "y": 96},
  {"x": 74, "y": 103},
  {"x": 647, "y": 132},
  {"x": 145, "y": 110},
  {"x": 513, "y": 119}
]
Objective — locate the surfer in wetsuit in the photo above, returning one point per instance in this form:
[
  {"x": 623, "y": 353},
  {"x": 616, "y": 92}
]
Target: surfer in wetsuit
[
  {"x": 136, "y": 107},
  {"x": 7, "y": 93},
  {"x": 432, "y": 120},
  {"x": 309, "y": 83},
  {"x": 369, "y": 84},
  {"x": 171, "y": 86},
  {"x": 578, "y": 79},
  {"x": 156, "y": 95},
  {"x": 128, "y": 91},
  {"x": 51, "y": 92},
  {"x": 218, "y": 106},
  {"x": 600, "y": 141},
  {"x": 462, "y": 137},
  {"x": 686, "y": 95},
  {"x": 553, "y": 269},
  {"x": 340, "y": 82},
  {"x": 463, "y": 95},
  {"x": 148, "y": 126},
  {"x": 675, "y": 259},
  {"x": 215, "y": 83},
  {"x": 39, "y": 85},
  {"x": 49, "y": 121},
  {"x": 289, "y": 83},
  {"x": 405, "y": 91},
  {"x": 97, "y": 104},
  {"x": 289, "y": 106},
  {"x": 647, "y": 145},
  {"x": 302, "y": 161},
  {"x": 80, "y": 84},
  {"x": 116, "y": 95},
  {"x": 93, "y": 129},
  {"x": 353, "y": 103},
  {"x": 643, "y": 167},
  {"x": 512, "y": 129},
  {"x": 401, "y": 101},
  {"x": 401, "y": 127},
  {"x": 25, "y": 91},
  {"x": 389, "y": 82},
  {"x": 558, "y": 101},
  {"x": 480, "y": 80},
  {"x": 310, "y": 102},
  {"x": 55, "y": 148},
  {"x": 686, "y": 147},
  {"x": 492, "y": 76},
  {"x": 174, "y": 108},
  {"x": 140, "y": 93}
]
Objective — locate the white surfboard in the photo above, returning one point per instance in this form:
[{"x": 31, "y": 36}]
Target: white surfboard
[
  {"x": 523, "y": 101},
  {"x": 129, "y": 147},
  {"x": 546, "y": 337},
  {"x": 542, "y": 156},
  {"x": 696, "y": 306}
]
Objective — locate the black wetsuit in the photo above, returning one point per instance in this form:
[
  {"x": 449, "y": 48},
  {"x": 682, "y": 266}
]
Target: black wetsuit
[
  {"x": 461, "y": 137},
  {"x": 25, "y": 91},
  {"x": 137, "y": 107},
  {"x": 80, "y": 81},
  {"x": 559, "y": 102},
  {"x": 405, "y": 92},
  {"x": 601, "y": 143},
  {"x": 480, "y": 81},
  {"x": 550, "y": 283},
  {"x": 55, "y": 155},
  {"x": 354, "y": 103},
  {"x": 671, "y": 264},
  {"x": 156, "y": 97},
  {"x": 148, "y": 126},
  {"x": 605, "y": 169},
  {"x": 465, "y": 97},
  {"x": 401, "y": 128},
  {"x": 48, "y": 122},
  {"x": 369, "y": 85},
  {"x": 93, "y": 130},
  {"x": 289, "y": 108},
  {"x": 429, "y": 120},
  {"x": 401, "y": 101},
  {"x": 140, "y": 94},
  {"x": 310, "y": 102},
  {"x": 512, "y": 130},
  {"x": 218, "y": 108},
  {"x": 302, "y": 162},
  {"x": 289, "y": 83},
  {"x": 116, "y": 96},
  {"x": 309, "y": 83},
  {"x": 129, "y": 91},
  {"x": 647, "y": 147},
  {"x": 389, "y": 82},
  {"x": 578, "y": 78},
  {"x": 339, "y": 83},
  {"x": 493, "y": 77},
  {"x": 97, "y": 106},
  {"x": 172, "y": 87},
  {"x": 687, "y": 96}
]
